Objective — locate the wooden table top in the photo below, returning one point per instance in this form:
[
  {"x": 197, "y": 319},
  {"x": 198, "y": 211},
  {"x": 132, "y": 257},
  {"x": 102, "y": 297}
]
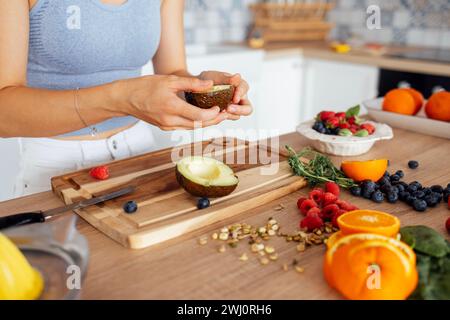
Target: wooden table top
[{"x": 182, "y": 269}]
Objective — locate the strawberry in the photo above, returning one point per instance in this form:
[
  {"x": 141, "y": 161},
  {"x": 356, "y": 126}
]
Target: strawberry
[
  {"x": 328, "y": 198},
  {"x": 334, "y": 219},
  {"x": 333, "y": 188},
  {"x": 332, "y": 122},
  {"x": 344, "y": 205},
  {"x": 351, "y": 120},
  {"x": 315, "y": 211},
  {"x": 316, "y": 195},
  {"x": 99, "y": 173},
  {"x": 307, "y": 205},
  {"x": 300, "y": 201},
  {"x": 344, "y": 125},
  {"x": 311, "y": 222},
  {"x": 353, "y": 128},
  {"x": 329, "y": 212},
  {"x": 340, "y": 116},
  {"x": 325, "y": 115},
  {"x": 369, "y": 127}
]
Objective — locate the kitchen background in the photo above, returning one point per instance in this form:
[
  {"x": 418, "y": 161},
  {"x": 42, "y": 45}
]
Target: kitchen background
[{"x": 288, "y": 85}]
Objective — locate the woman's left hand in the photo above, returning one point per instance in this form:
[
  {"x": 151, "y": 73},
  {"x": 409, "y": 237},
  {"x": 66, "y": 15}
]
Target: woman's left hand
[{"x": 240, "y": 105}]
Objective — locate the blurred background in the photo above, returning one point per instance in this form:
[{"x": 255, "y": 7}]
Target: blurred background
[{"x": 303, "y": 56}]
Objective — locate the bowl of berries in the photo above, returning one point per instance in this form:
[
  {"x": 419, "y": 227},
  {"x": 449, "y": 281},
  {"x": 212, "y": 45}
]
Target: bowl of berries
[{"x": 344, "y": 133}]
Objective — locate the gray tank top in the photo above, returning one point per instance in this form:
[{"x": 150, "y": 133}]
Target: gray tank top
[{"x": 83, "y": 43}]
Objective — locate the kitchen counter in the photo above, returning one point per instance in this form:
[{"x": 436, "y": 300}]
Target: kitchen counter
[
  {"x": 321, "y": 50},
  {"x": 182, "y": 269}
]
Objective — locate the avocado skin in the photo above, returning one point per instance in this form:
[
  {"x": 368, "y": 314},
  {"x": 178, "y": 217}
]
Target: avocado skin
[
  {"x": 199, "y": 190},
  {"x": 206, "y": 100}
]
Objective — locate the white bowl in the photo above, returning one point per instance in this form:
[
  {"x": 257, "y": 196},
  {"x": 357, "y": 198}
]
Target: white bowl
[
  {"x": 344, "y": 146},
  {"x": 419, "y": 123}
]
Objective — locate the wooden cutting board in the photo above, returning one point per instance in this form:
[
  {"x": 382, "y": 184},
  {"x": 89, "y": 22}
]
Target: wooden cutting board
[{"x": 165, "y": 210}]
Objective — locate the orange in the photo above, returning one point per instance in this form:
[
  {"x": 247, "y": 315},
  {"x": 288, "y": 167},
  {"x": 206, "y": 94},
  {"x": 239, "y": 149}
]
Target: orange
[
  {"x": 418, "y": 98},
  {"x": 352, "y": 264},
  {"x": 438, "y": 106},
  {"x": 399, "y": 101},
  {"x": 334, "y": 238},
  {"x": 369, "y": 221},
  {"x": 365, "y": 170}
]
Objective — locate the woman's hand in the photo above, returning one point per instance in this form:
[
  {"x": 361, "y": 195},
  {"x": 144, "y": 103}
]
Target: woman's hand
[
  {"x": 155, "y": 100},
  {"x": 241, "y": 106}
]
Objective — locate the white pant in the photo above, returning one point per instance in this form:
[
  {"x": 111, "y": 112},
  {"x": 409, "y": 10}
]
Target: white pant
[{"x": 43, "y": 158}]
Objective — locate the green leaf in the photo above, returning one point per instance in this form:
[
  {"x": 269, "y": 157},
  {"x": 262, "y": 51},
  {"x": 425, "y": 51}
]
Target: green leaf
[
  {"x": 353, "y": 112},
  {"x": 409, "y": 239},
  {"x": 426, "y": 240}
]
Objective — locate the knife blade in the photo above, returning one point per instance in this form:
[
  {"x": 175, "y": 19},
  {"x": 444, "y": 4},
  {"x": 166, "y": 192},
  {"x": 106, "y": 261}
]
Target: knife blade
[{"x": 20, "y": 219}]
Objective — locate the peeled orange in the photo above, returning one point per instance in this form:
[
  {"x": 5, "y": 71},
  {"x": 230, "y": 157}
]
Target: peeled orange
[
  {"x": 371, "y": 267},
  {"x": 365, "y": 170},
  {"x": 369, "y": 221}
]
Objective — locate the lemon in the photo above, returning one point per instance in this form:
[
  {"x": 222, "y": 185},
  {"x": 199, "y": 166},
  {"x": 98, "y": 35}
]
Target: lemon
[{"x": 18, "y": 280}]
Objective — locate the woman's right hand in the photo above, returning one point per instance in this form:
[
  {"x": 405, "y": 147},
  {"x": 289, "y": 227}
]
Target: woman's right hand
[{"x": 155, "y": 99}]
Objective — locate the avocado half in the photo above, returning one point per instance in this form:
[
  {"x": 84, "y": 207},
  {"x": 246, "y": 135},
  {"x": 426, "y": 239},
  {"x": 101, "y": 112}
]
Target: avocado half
[
  {"x": 205, "y": 177},
  {"x": 220, "y": 95}
]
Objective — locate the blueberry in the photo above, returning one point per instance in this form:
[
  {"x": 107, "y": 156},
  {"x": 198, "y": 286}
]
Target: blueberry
[
  {"x": 400, "y": 173},
  {"x": 395, "y": 177},
  {"x": 392, "y": 197},
  {"x": 386, "y": 188},
  {"x": 323, "y": 130},
  {"x": 420, "y": 205},
  {"x": 368, "y": 185},
  {"x": 400, "y": 188},
  {"x": 431, "y": 201},
  {"x": 437, "y": 188},
  {"x": 412, "y": 188},
  {"x": 203, "y": 203},
  {"x": 413, "y": 164},
  {"x": 318, "y": 126},
  {"x": 335, "y": 131},
  {"x": 130, "y": 207},
  {"x": 417, "y": 184},
  {"x": 419, "y": 194},
  {"x": 403, "y": 195},
  {"x": 410, "y": 200},
  {"x": 356, "y": 191},
  {"x": 384, "y": 180},
  {"x": 427, "y": 191},
  {"x": 446, "y": 196},
  {"x": 377, "y": 197},
  {"x": 437, "y": 196},
  {"x": 386, "y": 174}
]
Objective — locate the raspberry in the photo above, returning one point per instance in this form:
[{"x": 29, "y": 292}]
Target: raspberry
[
  {"x": 307, "y": 205},
  {"x": 316, "y": 195},
  {"x": 447, "y": 225},
  {"x": 344, "y": 205},
  {"x": 311, "y": 222},
  {"x": 299, "y": 202},
  {"x": 369, "y": 127},
  {"x": 329, "y": 212},
  {"x": 336, "y": 216},
  {"x": 333, "y": 122},
  {"x": 325, "y": 115},
  {"x": 100, "y": 173},
  {"x": 315, "y": 212},
  {"x": 448, "y": 202},
  {"x": 332, "y": 188},
  {"x": 328, "y": 198}
]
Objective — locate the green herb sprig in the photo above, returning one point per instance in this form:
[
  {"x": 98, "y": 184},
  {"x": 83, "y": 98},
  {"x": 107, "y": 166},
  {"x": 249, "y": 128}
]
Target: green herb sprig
[{"x": 316, "y": 168}]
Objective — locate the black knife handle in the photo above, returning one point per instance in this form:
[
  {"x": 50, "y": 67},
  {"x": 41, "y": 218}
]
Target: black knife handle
[{"x": 21, "y": 219}]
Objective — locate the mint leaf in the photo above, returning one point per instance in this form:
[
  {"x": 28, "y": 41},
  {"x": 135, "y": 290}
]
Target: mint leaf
[{"x": 353, "y": 112}]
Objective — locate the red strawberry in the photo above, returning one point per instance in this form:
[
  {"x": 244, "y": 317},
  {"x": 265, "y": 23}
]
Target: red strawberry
[
  {"x": 332, "y": 122},
  {"x": 307, "y": 205},
  {"x": 325, "y": 115},
  {"x": 353, "y": 128},
  {"x": 299, "y": 202},
  {"x": 344, "y": 125},
  {"x": 100, "y": 173},
  {"x": 311, "y": 223},
  {"x": 344, "y": 205},
  {"x": 316, "y": 195},
  {"x": 340, "y": 115},
  {"x": 315, "y": 211},
  {"x": 333, "y": 188},
  {"x": 329, "y": 212},
  {"x": 369, "y": 127},
  {"x": 328, "y": 198},
  {"x": 334, "y": 219},
  {"x": 351, "y": 120}
]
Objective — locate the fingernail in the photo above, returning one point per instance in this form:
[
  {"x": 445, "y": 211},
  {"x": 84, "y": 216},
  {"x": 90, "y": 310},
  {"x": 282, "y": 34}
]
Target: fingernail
[{"x": 232, "y": 109}]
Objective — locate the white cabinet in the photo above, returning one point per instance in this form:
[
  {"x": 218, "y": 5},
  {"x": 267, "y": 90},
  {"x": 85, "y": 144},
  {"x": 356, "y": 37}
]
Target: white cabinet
[
  {"x": 279, "y": 111},
  {"x": 336, "y": 86}
]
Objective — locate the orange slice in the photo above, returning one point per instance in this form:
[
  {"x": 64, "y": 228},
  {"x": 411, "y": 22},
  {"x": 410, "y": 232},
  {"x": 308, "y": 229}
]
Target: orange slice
[
  {"x": 334, "y": 238},
  {"x": 365, "y": 170},
  {"x": 370, "y": 266},
  {"x": 369, "y": 221}
]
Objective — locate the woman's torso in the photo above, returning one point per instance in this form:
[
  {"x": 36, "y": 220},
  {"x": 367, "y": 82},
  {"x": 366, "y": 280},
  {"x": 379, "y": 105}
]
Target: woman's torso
[{"x": 84, "y": 43}]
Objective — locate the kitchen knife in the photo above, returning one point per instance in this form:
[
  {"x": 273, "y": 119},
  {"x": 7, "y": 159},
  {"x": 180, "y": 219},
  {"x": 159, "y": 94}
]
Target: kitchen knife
[{"x": 41, "y": 216}]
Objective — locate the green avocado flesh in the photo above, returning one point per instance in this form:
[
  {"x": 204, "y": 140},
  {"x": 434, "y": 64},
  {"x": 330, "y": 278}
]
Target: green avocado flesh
[
  {"x": 219, "y": 95},
  {"x": 205, "y": 177}
]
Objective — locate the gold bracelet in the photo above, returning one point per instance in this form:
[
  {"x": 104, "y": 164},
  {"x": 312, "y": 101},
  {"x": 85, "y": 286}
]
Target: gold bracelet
[{"x": 93, "y": 129}]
